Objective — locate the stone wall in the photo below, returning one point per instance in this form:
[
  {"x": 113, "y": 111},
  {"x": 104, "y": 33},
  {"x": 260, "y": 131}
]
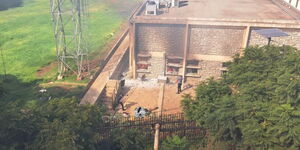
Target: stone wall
[
  {"x": 211, "y": 40},
  {"x": 210, "y": 69},
  {"x": 203, "y": 40},
  {"x": 293, "y": 39},
  {"x": 160, "y": 38},
  {"x": 157, "y": 66}
]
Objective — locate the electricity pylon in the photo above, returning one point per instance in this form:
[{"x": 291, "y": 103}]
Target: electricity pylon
[{"x": 68, "y": 17}]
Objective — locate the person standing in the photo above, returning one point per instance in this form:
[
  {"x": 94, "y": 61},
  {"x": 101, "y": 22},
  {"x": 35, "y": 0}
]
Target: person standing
[
  {"x": 121, "y": 101},
  {"x": 179, "y": 84}
]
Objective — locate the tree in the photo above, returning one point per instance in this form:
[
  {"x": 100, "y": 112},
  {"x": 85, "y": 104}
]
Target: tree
[
  {"x": 17, "y": 127},
  {"x": 256, "y": 104},
  {"x": 127, "y": 139},
  {"x": 175, "y": 143},
  {"x": 56, "y": 124}
]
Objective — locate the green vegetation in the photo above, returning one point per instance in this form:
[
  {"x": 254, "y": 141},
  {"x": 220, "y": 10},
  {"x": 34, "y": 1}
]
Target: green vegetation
[
  {"x": 256, "y": 104},
  {"x": 57, "y": 124},
  {"x": 124, "y": 140},
  {"x": 6, "y": 4},
  {"x": 60, "y": 124},
  {"x": 27, "y": 47},
  {"x": 175, "y": 143},
  {"x": 27, "y": 36}
]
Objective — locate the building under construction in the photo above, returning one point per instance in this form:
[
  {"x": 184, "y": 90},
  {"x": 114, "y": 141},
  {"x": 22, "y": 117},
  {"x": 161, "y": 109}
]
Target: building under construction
[{"x": 193, "y": 38}]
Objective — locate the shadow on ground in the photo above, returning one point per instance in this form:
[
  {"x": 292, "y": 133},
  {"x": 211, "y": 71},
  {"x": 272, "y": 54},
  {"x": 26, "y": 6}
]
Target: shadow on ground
[
  {"x": 13, "y": 89},
  {"x": 6, "y": 4}
]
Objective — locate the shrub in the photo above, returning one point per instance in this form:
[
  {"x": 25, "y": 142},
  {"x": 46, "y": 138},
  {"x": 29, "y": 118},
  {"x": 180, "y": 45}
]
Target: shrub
[{"x": 175, "y": 143}]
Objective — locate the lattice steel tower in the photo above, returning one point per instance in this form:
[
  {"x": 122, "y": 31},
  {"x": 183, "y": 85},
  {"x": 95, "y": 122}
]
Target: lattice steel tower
[{"x": 68, "y": 17}]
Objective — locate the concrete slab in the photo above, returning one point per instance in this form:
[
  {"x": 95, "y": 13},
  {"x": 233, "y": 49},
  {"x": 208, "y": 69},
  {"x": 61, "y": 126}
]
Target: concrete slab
[{"x": 227, "y": 9}]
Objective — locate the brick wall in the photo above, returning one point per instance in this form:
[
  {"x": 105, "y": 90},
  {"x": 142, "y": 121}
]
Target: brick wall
[
  {"x": 292, "y": 40},
  {"x": 223, "y": 41},
  {"x": 160, "y": 38}
]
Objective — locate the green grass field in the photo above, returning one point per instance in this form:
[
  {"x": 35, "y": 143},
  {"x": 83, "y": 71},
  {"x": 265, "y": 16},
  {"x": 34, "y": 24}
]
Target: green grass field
[
  {"x": 26, "y": 35},
  {"x": 27, "y": 45}
]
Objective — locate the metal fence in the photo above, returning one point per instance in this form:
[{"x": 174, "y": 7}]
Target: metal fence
[{"x": 173, "y": 124}]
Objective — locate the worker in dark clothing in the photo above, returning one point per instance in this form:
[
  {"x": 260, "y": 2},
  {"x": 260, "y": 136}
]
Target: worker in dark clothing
[
  {"x": 120, "y": 101},
  {"x": 179, "y": 84}
]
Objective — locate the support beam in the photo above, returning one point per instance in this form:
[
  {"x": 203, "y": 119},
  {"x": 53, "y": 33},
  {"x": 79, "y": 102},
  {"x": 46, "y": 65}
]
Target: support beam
[
  {"x": 132, "y": 55},
  {"x": 209, "y": 57},
  {"x": 160, "y": 101},
  {"x": 130, "y": 46},
  {"x": 156, "y": 137},
  {"x": 223, "y": 22},
  {"x": 246, "y": 38},
  {"x": 186, "y": 47},
  {"x": 297, "y": 3}
]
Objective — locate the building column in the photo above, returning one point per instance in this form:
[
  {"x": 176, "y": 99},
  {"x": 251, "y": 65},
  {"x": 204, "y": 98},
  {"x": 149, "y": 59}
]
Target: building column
[
  {"x": 186, "y": 47},
  {"x": 132, "y": 55},
  {"x": 246, "y": 38}
]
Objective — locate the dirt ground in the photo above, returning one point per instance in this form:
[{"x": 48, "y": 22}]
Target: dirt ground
[{"x": 146, "y": 94}]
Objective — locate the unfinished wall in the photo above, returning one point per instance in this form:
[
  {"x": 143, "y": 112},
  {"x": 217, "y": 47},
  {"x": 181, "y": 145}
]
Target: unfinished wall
[
  {"x": 292, "y": 40},
  {"x": 211, "y": 40},
  {"x": 160, "y": 38},
  {"x": 210, "y": 69},
  {"x": 157, "y": 64}
]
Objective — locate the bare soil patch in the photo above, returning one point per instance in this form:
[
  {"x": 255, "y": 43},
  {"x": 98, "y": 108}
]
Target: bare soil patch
[{"x": 145, "y": 94}]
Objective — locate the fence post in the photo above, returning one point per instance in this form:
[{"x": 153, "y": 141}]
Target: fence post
[
  {"x": 161, "y": 99},
  {"x": 156, "y": 137}
]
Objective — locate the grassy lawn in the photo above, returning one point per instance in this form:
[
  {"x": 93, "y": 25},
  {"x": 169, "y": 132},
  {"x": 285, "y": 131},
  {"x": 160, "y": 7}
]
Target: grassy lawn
[
  {"x": 27, "y": 35},
  {"x": 27, "y": 42}
]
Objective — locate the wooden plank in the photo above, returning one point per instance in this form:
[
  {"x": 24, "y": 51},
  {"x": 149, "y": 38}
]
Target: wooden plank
[
  {"x": 174, "y": 65},
  {"x": 174, "y": 57}
]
